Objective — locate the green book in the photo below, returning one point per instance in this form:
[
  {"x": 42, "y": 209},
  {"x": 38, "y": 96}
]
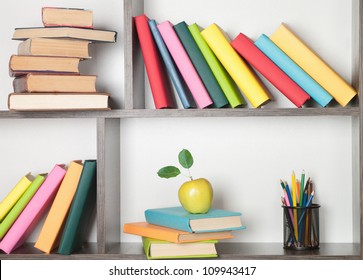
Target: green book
[
  {"x": 15, "y": 211},
  {"x": 200, "y": 65},
  {"x": 225, "y": 81},
  {"x": 160, "y": 249},
  {"x": 81, "y": 210}
]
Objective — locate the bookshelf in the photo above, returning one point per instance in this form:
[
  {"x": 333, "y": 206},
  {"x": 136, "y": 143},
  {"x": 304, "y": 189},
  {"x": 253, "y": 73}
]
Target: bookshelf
[{"x": 114, "y": 189}]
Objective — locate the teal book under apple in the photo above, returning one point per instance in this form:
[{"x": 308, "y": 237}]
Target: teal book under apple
[
  {"x": 81, "y": 210},
  {"x": 178, "y": 218},
  {"x": 201, "y": 65}
]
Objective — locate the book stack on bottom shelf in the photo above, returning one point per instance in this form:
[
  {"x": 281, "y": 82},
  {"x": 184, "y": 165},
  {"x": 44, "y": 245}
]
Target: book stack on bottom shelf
[
  {"x": 70, "y": 195},
  {"x": 46, "y": 67},
  {"x": 174, "y": 233}
]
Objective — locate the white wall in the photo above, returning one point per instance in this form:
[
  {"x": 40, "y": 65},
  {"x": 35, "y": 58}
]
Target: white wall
[{"x": 243, "y": 158}]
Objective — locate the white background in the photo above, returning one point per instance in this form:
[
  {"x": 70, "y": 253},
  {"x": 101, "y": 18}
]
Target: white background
[{"x": 244, "y": 159}]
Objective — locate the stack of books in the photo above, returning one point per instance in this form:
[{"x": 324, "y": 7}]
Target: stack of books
[
  {"x": 209, "y": 69},
  {"x": 46, "y": 66},
  {"x": 173, "y": 233},
  {"x": 70, "y": 195}
]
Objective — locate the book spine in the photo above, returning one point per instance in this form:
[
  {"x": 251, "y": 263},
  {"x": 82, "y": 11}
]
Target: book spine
[
  {"x": 33, "y": 212},
  {"x": 240, "y": 72},
  {"x": 182, "y": 90},
  {"x": 295, "y": 72},
  {"x": 151, "y": 232},
  {"x": 171, "y": 221},
  {"x": 225, "y": 81},
  {"x": 313, "y": 65},
  {"x": 184, "y": 65},
  {"x": 246, "y": 48},
  {"x": 160, "y": 87},
  {"x": 200, "y": 64}
]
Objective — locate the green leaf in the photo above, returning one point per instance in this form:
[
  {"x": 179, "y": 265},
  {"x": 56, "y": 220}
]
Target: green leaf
[
  {"x": 168, "y": 172},
  {"x": 185, "y": 158}
]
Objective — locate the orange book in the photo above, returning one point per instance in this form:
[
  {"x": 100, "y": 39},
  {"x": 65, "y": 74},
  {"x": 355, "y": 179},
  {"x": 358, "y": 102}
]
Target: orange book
[
  {"x": 51, "y": 232},
  {"x": 172, "y": 235}
]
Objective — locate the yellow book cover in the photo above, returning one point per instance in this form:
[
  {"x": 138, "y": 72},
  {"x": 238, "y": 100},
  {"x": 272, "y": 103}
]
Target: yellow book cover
[
  {"x": 51, "y": 232},
  {"x": 312, "y": 64},
  {"x": 14, "y": 195},
  {"x": 239, "y": 70}
]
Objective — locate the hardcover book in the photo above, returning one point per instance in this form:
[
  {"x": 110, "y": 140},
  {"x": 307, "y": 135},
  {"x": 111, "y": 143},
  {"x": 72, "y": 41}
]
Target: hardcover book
[
  {"x": 225, "y": 81},
  {"x": 81, "y": 210},
  {"x": 184, "y": 65},
  {"x": 294, "y": 71},
  {"x": 179, "y": 84},
  {"x": 200, "y": 64},
  {"x": 249, "y": 83},
  {"x": 34, "y": 211},
  {"x": 312, "y": 64},
  {"x": 172, "y": 235},
  {"x": 57, "y": 16},
  {"x": 159, "y": 249},
  {"x": 155, "y": 69},
  {"x": 15, "y": 211},
  {"x": 49, "y": 236},
  {"x": 253, "y": 55},
  {"x": 178, "y": 218},
  {"x": 13, "y": 196}
]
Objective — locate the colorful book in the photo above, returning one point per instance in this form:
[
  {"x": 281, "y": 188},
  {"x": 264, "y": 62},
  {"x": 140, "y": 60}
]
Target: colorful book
[
  {"x": 158, "y": 249},
  {"x": 312, "y": 64},
  {"x": 49, "y": 236},
  {"x": 34, "y": 211},
  {"x": 241, "y": 73},
  {"x": 225, "y": 81},
  {"x": 13, "y": 196},
  {"x": 184, "y": 65},
  {"x": 201, "y": 65},
  {"x": 179, "y": 84},
  {"x": 178, "y": 218},
  {"x": 15, "y": 211},
  {"x": 81, "y": 210},
  {"x": 172, "y": 235},
  {"x": 294, "y": 71},
  {"x": 253, "y": 55},
  {"x": 156, "y": 72}
]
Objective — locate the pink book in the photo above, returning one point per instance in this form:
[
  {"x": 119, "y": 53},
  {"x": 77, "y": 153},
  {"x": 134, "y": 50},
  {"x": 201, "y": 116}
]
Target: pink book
[
  {"x": 34, "y": 211},
  {"x": 184, "y": 65}
]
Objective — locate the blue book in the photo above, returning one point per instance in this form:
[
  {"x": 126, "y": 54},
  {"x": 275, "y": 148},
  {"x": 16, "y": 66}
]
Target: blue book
[
  {"x": 179, "y": 84},
  {"x": 178, "y": 218},
  {"x": 295, "y": 72}
]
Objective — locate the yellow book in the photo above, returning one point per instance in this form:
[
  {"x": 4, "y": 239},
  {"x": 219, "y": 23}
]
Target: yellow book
[
  {"x": 14, "y": 195},
  {"x": 51, "y": 232},
  {"x": 237, "y": 68},
  {"x": 312, "y": 64}
]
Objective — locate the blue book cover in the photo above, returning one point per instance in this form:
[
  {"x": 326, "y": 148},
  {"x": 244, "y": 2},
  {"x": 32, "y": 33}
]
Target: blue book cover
[
  {"x": 295, "y": 72},
  {"x": 179, "y": 84},
  {"x": 178, "y": 218}
]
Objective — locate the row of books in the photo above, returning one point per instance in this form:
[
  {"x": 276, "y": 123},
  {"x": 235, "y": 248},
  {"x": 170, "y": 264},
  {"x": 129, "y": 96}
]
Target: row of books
[
  {"x": 208, "y": 69},
  {"x": 172, "y": 232},
  {"x": 46, "y": 67},
  {"x": 70, "y": 195}
]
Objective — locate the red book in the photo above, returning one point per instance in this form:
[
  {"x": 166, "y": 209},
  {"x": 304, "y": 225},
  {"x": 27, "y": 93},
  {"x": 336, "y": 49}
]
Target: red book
[
  {"x": 159, "y": 84},
  {"x": 246, "y": 48}
]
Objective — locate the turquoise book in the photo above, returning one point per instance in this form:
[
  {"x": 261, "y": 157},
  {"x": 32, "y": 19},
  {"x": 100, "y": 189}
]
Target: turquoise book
[
  {"x": 201, "y": 65},
  {"x": 159, "y": 249},
  {"x": 179, "y": 218},
  {"x": 181, "y": 88},
  {"x": 81, "y": 210},
  {"x": 294, "y": 71}
]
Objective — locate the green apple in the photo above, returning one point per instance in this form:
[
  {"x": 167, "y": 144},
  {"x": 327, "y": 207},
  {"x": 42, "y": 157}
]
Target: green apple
[{"x": 196, "y": 196}]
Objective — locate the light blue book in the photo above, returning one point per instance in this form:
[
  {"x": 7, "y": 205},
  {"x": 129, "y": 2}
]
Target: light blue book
[
  {"x": 286, "y": 64},
  {"x": 178, "y": 218},
  {"x": 179, "y": 84}
]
